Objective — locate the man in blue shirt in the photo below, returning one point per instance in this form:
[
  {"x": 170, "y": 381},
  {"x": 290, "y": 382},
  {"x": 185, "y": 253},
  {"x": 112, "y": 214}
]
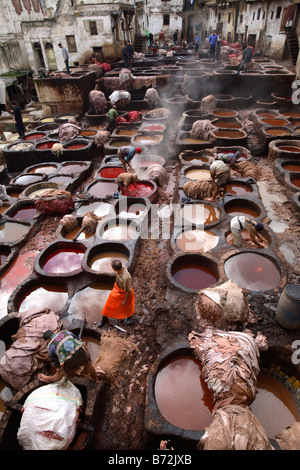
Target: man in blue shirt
[
  {"x": 65, "y": 56},
  {"x": 197, "y": 43},
  {"x": 212, "y": 41}
]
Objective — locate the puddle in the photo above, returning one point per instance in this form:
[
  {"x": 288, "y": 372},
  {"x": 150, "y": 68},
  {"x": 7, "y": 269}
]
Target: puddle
[{"x": 267, "y": 200}]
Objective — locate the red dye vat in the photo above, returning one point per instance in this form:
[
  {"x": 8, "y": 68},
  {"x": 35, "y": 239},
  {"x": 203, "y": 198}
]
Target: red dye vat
[
  {"x": 45, "y": 146},
  {"x": 111, "y": 173},
  {"x": 26, "y": 212},
  {"x": 63, "y": 261},
  {"x": 75, "y": 146},
  {"x": 138, "y": 190},
  {"x": 35, "y": 136}
]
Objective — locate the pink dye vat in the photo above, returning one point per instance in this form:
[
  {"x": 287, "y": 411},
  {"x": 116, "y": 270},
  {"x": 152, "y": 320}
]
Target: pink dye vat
[
  {"x": 63, "y": 261},
  {"x": 103, "y": 189},
  {"x": 45, "y": 146},
  {"x": 75, "y": 146},
  {"x": 26, "y": 212}
]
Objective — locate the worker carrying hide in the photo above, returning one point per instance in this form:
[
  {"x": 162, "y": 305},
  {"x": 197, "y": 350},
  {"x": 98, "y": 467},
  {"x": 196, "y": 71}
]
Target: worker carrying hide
[
  {"x": 240, "y": 223},
  {"x": 124, "y": 180},
  {"x": 121, "y": 301}
]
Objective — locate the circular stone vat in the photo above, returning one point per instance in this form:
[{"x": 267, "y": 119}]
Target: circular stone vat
[
  {"x": 90, "y": 301},
  {"x": 230, "y": 135},
  {"x": 291, "y": 166},
  {"x": 27, "y": 179},
  {"x": 140, "y": 189},
  {"x": 238, "y": 188},
  {"x": 199, "y": 214},
  {"x": 193, "y": 272},
  {"x": 99, "y": 257},
  {"x": 237, "y": 207},
  {"x": 199, "y": 241},
  {"x": 47, "y": 119},
  {"x": 275, "y": 404},
  {"x": 60, "y": 258},
  {"x": 110, "y": 171},
  {"x": 45, "y": 295},
  {"x": 191, "y": 156},
  {"x": 102, "y": 189},
  {"x": 226, "y": 124},
  {"x": 277, "y": 122},
  {"x": 13, "y": 232},
  {"x": 72, "y": 168},
  {"x": 197, "y": 173},
  {"x": 63, "y": 118},
  {"x": 22, "y": 211},
  {"x": 90, "y": 133},
  {"x": 80, "y": 237},
  {"x": 277, "y": 131},
  {"x": 284, "y": 148},
  {"x": 76, "y": 145},
  {"x": 181, "y": 395},
  {"x": 118, "y": 229},
  {"x": 144, "y": 161},
  {"x": 46, "y": 169},
  {"x": 131, "y": 208},
  {"x": 225, "y": 113},
  {"x": 147, "y": 139},
  {"x": 152, "y": 128},
  {"x": 266, "y": 113},
  {"x": 289, "y": 148},
  {"x": 252, "y": 271},
  {"x": 61, "y": 180},
  {"x": 35, "y": 189},
  {"x": 35, "y": 136},
  {"x": 295, "y": 181},
  {"x": 46, "y": 146},
  {"x": 125, "y": 131}
]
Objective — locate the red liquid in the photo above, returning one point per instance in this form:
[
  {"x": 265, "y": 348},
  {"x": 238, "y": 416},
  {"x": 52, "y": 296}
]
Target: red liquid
[
  {"x": 296, "y": 182},
  {"x": 195, "y": 276},
  {"x": 35, "y": 136},
  {"x": 75, "y": 146},
  {"x": 45, "y": 146},
  {"x": 138, "y": 190},
  {"x": 63, "y": 261},
  {"x": 25, "y": 213},
  {"x": 182, "y": 396},
  {"x": 295, "y": 167},
  {"x": 111, "y": 173}
]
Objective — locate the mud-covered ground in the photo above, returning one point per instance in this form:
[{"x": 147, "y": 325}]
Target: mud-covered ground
[{"x": 166, "y": 315}]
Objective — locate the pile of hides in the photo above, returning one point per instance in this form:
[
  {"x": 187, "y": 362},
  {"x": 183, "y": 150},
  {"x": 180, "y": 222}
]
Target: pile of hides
[
  {"x": 289, "y": 438},
  {"x": 98, "y": 101},
  {"x": 106, "y": 67},
  {"x": 223, "y": 305},
  {"x": 248, "y": 170},
  {"x": 28, "y": 352},
  {"x": 131, "y": 116},
  {"x": 159, "y": 113},
  {"x": 101, "y": 138},
  {"x": 54, "y": 201},
  {"x": 208, "y": 104},
  {"x": 89, "y": 223},
  {"x": 113, "y": 351},
  {"x": 59, "y": 75},
  {"x": 126, "y": 179},
  {"x": 125, "y": 76},
  {"x": 57, "y": 149},
  {"x": 21, "y": 146},
  {"x": 159, "y": 173},
  {"x": 50, "y": 417},
  {"x": 69, "y": 222},
  {"x": 230, "y": 365},
  {"x": 97, "y": 69},
  {"x": 224, "y": 54},
  {"x": 201, "y": 129},
  {"x": 152, "y": 98},
  {"x": 121, "y": 97},
  {"x": 234, "y": 427},
  {"x": 68, "y": 131},
  {"x": 199, "y": 189}
]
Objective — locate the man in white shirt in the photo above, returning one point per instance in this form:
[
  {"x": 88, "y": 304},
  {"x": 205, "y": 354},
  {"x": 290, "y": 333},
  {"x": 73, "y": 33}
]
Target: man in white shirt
[{"x": 221, "y": 175}]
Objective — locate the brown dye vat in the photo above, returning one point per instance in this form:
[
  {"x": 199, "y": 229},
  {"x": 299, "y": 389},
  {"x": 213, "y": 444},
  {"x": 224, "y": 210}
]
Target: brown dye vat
[
  {"x": 25, "y": 180},
  {"x": 102, "y": 261},
  {"x": 241, "y": 210},
  {"x": 238, "y": 189},
  {"x": 195, "y": 157},
  {"x": 193, "y": 275},
  {"x": 87, "y": 133},
  {"x": 275, "y": 122},
  {"x": 199, "y": 214},
  {"x": 130, "y": 132},
  {"x": 46, "y": 169},
  {"x": 120, "y": 233},
  {"x": 278, "y": 132},
  {"x": 228, "y": 124},
  {"x": 291, "y": 167},
  {"x": 90, "y": 302},
  {"x": 119, "y": 143},
  {"x": 291, "y": 114},
  {"x": 3, "y": 209},
  {"x": 103, "y": 189},
  {"x": 229, "y": 134},
  {"x": 252, "y": 271},
  {"x": 92, "y": 345},
  {"x": 3, "y": 257},
  {"x": 11, "y": 232},
  {"x": 83, "y": 236},
  {"x": 289, "y": 149},
  {"x": 147, "y": 139},
  {"x": 225, "y": 113},
  {"x": 199, "y": 241},
  {"x": 296, "y": 182},
  {"x": 182, "y": 396},
  {"x": 266, "y": 114},
  {"x": 49, "y": 296},
  {"x": 198, "y": 174},
  {"x": 274, "y": 405}
]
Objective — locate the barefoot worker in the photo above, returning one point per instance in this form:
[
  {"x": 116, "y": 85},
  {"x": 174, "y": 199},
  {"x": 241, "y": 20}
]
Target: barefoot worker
[
  {"x": 121, "y": 301},
  {"x": 126, "y": 154},
  {"x": 67, "y": 354}
]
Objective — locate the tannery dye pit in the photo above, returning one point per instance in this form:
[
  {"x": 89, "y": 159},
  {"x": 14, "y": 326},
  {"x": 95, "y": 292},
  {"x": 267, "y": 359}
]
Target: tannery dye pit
[{"x": 65, "y": 220}]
